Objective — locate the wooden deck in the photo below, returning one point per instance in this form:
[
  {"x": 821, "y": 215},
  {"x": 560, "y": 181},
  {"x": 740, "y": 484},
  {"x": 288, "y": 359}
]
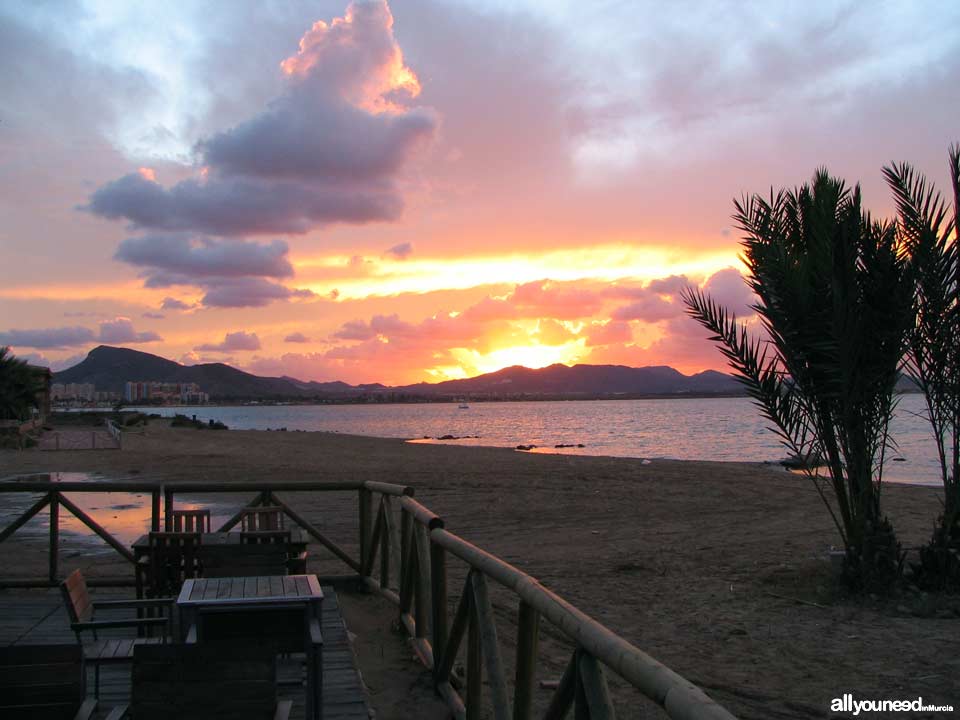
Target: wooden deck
[{"x": 37, "y": 617}]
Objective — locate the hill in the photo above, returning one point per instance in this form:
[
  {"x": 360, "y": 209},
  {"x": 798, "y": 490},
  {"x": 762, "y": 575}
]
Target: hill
[
  {"x": 584, "y": 380},
  {"x": 109, "y": 368}
]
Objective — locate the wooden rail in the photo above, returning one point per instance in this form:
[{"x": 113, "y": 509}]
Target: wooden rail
[
  {"x": 162, "y": 501},
  {"x": 418, "y": 586},
  {"x": 406, "y": 563}
]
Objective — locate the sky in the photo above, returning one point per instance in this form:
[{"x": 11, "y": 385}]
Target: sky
[{"x": 429, "y": 189}]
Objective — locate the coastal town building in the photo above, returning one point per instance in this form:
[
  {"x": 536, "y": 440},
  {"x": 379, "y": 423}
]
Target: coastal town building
[
  {"x": 73, "y": 391},
  {"x": 153, "y": 391}
]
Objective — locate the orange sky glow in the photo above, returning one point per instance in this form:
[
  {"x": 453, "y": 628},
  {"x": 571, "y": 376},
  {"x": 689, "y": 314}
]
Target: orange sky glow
[{"x": 368, "y": 192}]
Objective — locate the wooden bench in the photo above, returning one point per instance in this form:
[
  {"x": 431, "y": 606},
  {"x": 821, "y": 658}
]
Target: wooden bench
[
  {"x": 43, "y": 682},
  {"x": 82, "y": 612}
]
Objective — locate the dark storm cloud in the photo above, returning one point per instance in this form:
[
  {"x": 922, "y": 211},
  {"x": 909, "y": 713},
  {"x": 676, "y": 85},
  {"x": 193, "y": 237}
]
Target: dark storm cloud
[
  {"x": 232, "y": 273},
  {"x": 327, "y": 149},
  {"x": 248, "y": 292},
  {"x": 225, "y": 205},
  {"x": 170, "y": 303},
  {"x": 181, "y": 256},
  {"x": 119, "y": 331},
  {"x": 48, "y": 338},
  {"x": 305, "y": 137}
]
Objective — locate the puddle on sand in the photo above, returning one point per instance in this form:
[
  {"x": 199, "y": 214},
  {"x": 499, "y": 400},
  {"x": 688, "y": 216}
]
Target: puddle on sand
[{"x": 124, "y": 515}]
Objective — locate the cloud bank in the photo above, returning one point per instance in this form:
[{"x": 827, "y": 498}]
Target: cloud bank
[
  {"x": 119, "y": 331},
  {"x": 328, "y": 149}
]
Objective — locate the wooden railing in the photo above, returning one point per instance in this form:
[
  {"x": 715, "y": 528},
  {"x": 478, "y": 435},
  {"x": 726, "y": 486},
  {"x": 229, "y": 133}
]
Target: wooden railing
[
  {"x": 419, "y": 589},
  {"x": 407, "y": 565},
  {"x": 162, "y": 498}
]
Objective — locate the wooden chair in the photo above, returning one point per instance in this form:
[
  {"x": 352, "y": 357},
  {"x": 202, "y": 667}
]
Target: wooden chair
[
  {"x": 172, "y": 558},
  {"x": 277, "y": 630},
  {"x": 43, "y": 682},
  {"x": 83, "y": 612},
  {"x": 265, "y": 517},
  {"x": 212, "y": 680},
  {"x": 265, "y": 537},
  {"x": 296, "y": 562},
  {"x": 191, "y": 521}
]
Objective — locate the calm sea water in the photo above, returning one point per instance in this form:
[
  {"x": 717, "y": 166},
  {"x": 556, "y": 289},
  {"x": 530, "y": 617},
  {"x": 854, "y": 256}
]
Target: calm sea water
[{"x": 729, "y": 429}]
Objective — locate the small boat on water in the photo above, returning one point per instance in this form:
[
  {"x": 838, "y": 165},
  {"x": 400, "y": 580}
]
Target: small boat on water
[{"x": 463, "y": 406}]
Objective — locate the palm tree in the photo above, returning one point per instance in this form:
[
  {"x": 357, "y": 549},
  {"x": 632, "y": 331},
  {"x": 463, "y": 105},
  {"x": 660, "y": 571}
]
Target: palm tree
[
  {"x": 934, "y": 356},
  {"x": 835, "y": 302},
  {"x": 19, "y": 385}
]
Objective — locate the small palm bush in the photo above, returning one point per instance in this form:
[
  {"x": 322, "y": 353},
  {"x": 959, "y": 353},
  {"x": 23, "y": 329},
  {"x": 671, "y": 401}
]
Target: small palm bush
[
  {"x": 934, "y": 355},
  {"x": 19, "y": 385},
  {"x": 835, "y": 301}
]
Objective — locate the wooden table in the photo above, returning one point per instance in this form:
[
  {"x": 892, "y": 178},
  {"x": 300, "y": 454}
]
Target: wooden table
[{"x": 284, "y": 611}]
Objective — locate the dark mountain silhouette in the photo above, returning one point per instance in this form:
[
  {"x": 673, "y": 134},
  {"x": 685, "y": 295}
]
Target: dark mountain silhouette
[
  {"x": 584, "y": 380},
  {"x": 109, "y": 368}
]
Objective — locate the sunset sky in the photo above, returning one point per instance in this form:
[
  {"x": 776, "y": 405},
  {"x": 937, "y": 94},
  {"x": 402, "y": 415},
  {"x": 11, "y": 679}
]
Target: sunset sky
[{"x": 435, "y": 188}]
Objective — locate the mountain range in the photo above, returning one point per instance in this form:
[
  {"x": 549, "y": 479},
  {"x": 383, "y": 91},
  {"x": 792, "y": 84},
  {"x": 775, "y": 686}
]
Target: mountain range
[{"x": 109, "y": 368}]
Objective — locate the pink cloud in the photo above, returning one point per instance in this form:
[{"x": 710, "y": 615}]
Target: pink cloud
[{"x": 234, "y": 341}]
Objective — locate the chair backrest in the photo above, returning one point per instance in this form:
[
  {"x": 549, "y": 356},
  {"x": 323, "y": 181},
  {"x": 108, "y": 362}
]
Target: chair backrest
[
  {"x": 45, "y": 682},
  {"x": 208, "y": 680},
  {"x": 265, "y": 537},
  {"x": 190, "y": 521},
  {"x": 244, "y": 560},
  {"x": 173, "y": 558},
  {"x": 76, "y": 598},
  {"x": 262, "y": 518}
]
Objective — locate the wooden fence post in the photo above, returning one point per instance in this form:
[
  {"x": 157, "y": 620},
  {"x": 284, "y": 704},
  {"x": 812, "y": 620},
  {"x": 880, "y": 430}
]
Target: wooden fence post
[
  {"x": 364, "y": 509},
  {"x": 54, "y": 536},
  {"x": 438, "y": 604},
  {"x": 528, "y": 638},
  {"x": 168, "y": 510},
  {"x": 155, "y": 510}
]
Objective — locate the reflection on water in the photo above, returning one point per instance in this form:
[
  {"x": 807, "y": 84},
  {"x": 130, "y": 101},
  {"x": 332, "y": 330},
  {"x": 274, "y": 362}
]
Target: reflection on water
[
  {"x": 124, "y": 515},
  {"x": 728, "y": 429}
]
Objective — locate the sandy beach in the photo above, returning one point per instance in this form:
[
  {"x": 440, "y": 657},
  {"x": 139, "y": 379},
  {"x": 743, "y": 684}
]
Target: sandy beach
[{"x": 718, "y": 570}]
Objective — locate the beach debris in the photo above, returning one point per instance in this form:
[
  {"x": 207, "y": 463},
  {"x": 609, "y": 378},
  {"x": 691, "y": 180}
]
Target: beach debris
[
  {"x": 525, "y": 447},
  {"x": 796, "y": 600},
  {"x": 453, "y": 437},
  {"x": 798, "y": 462}
]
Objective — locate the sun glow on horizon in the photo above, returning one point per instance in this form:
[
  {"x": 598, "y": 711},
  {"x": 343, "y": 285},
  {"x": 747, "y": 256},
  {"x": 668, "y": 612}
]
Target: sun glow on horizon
[
  {"x": 533, "y": 356},
  {"x": 599, "y": 262}
]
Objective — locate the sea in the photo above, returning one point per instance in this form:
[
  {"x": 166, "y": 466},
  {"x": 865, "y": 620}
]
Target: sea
[{"x": 724, "y": 429}]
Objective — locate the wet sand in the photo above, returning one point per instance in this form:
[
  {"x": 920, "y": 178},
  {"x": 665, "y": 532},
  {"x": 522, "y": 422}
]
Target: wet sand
[{"x": 718, "y": 570}]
